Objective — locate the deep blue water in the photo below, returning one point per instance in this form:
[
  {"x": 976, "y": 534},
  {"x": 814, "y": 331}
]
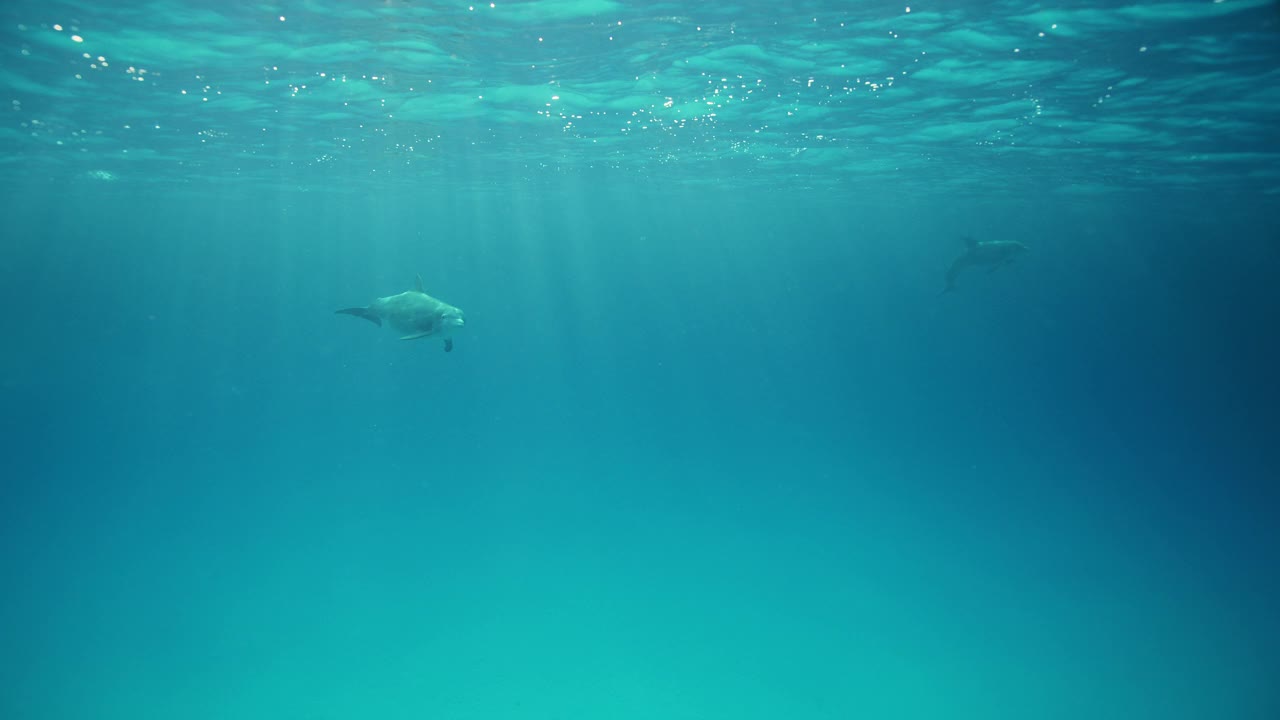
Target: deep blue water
[{"x": 713, "y": 444}]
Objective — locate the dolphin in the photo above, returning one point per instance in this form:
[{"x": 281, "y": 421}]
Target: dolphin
[
  {"x": 414, "y": 313},
  {"x": 992, "y": 254}
]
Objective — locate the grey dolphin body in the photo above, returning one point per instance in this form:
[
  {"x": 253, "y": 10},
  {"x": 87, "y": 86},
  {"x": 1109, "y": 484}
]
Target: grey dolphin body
[
  {"x": 415, "y": 314},
  {"x": 992, "y": 255}
]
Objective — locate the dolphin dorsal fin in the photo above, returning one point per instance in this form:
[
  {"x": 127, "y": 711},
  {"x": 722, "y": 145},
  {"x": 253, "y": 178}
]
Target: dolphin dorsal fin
[{"x": 417, "y": 283}]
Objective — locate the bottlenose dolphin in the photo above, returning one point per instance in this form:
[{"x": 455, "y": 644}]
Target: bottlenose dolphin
[
  {"x": 414, "y": 313},
  {"x": 993, "y": 255}
]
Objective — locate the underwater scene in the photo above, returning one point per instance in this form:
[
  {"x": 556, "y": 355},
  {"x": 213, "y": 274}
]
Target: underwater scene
[{"x": 608, "y": 359}]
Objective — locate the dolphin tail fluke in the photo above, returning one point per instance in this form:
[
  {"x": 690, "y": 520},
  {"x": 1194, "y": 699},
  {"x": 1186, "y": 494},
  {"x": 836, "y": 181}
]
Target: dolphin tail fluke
[{"x": 363, "y": 312}]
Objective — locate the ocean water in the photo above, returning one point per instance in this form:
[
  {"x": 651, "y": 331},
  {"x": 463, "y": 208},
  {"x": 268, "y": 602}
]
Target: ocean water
[{"x": 713, "y": 443}]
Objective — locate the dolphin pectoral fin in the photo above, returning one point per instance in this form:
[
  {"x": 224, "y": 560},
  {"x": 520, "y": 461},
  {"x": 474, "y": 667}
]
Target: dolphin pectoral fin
[
  {"x": 953, "y": 272},
  {"x": 997, "y": 266},
  {"x": 415, "y": 337},
  {"x": 417, "y": 283},
  {"x": 448, "y": 344},
  {"x": 363, "y": 312}
]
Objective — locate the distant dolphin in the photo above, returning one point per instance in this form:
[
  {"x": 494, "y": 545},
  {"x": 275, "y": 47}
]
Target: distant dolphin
[
  {"x": 992, "y": 255},
  {"x": 414, "y": 313}
]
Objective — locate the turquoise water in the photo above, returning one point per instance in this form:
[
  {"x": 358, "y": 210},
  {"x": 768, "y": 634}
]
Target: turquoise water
[{"x": 713, "y": 443}]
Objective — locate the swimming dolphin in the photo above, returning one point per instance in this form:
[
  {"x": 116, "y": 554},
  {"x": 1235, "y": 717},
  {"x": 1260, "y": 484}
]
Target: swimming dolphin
[
  {"x": 993, "y": 255},
  {"x": 414, "y": 313}
]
